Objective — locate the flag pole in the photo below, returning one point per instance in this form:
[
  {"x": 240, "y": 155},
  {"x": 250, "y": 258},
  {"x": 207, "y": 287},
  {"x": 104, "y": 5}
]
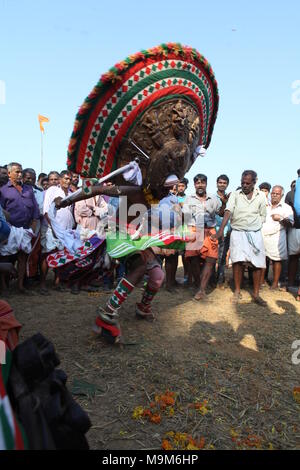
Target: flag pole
[{"x": 41, "y": 151}]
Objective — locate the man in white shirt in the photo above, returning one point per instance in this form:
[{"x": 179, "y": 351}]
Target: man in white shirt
[
  {"x": 247, "y": 210},
  {"x": 64, "y": 218},
  {"x": 279, "y": 217}
]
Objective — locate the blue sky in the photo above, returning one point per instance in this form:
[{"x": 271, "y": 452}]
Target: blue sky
[{"x": 52, "y": 53}]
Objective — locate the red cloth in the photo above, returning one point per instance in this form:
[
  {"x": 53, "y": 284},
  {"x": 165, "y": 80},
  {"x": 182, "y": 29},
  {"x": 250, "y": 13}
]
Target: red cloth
[
  {"x": 9, "y": 326},
  {"x": 114, "y": 330}
]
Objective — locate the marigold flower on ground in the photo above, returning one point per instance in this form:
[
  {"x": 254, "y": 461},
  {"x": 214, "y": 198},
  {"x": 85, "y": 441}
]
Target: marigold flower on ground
[
  {"x": 164, "y": 402},
  {"x": 156, "y": 419},
  {"x": 191, "y": 447},
  {"x": 234, "y": 435},
  {"x": 147, "y": 413},
  {"x": 166, "y": 399},
  {"x": 166, "y": 445},
  {"x": 138, "y": 412},
  {"x": 296, "y": 394},
  {"x": 184, "y": 441},
  {"x": 201, "y": 443},
  {"x": 202, "y": 407},
  {"x": 253, "y": 441}
]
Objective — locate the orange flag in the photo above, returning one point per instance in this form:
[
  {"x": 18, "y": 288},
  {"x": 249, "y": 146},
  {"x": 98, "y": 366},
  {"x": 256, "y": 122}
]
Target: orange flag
[{"x": 41, "y": 120}]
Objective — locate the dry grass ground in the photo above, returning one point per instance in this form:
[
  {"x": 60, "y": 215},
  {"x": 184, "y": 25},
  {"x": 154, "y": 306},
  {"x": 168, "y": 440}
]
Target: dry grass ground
[{"x": 229, "y": 365}]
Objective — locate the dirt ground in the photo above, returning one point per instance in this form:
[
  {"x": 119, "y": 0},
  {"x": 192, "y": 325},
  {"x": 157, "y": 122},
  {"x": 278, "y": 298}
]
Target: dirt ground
[{"x": 228, "y": 368}]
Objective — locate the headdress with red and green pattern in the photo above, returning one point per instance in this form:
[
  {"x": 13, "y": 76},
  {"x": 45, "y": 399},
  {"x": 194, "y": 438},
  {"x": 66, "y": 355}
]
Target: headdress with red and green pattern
[{"x": 127, "y": 91}]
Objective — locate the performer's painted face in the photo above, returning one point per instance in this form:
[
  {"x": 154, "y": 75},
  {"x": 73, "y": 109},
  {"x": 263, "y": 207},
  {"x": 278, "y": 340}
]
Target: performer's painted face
[
  {"x": 173, "y": 158},
  {"x": 169, "y": 134}
]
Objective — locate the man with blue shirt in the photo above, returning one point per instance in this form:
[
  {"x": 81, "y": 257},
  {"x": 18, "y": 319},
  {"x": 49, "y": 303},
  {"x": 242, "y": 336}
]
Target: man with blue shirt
[
  {"x": 168, "y": 210},
  {"x": 222, "y": 185},
  {"x": 18, "y": 199},
  {"x": 293, "y": 200},
  {"x": 181, "y": 189}
]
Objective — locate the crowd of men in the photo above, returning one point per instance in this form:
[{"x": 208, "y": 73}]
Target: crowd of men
[
  {"x": 251, "y": 228},
  {"x": 25, "y": 201}
]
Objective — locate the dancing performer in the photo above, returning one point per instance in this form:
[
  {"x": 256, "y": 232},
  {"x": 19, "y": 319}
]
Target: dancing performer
[{"x": 158, "y": 106}]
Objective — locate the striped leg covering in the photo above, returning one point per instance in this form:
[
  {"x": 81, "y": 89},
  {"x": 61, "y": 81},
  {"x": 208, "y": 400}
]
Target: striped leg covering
[
  {"x": 149, "y": 294},
  {"x": 120, "y": 294},
  {"x": 107, "y": 324}
]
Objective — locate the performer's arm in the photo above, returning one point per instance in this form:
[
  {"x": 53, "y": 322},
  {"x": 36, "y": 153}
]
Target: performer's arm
[{"x": 113, "y": 191}]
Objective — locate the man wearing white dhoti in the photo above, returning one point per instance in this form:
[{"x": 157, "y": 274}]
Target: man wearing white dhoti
[
  {"x": 279, "y": 217},
  {"x": 65, "y": 221},
  {"x": 247, "y": 210}
]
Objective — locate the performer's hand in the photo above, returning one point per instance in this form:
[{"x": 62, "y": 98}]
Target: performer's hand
[
  {"x": 276, "y": 217},
  {"x": 60, "y": 203}
]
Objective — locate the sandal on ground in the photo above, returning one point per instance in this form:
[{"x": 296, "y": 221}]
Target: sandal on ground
[
  {"x": 200, "y": 296},
  {"x": 144, "y": 312},
  {"x": 259, "y": 301}
]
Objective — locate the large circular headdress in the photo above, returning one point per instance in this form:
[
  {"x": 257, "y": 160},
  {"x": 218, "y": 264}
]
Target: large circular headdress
[{"x": 167, "y": 87}]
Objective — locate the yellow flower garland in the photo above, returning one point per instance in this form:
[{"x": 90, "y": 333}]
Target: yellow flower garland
[{"x": 150, "y": 199}]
